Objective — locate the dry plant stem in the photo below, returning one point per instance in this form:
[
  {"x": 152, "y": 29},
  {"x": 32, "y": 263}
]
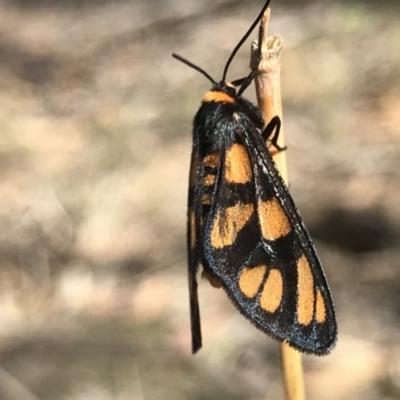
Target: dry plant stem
[
  {"x": 268, "y": 90},
  {"x": 268, "y": 84},
  {"x": 292, "y": 370}
]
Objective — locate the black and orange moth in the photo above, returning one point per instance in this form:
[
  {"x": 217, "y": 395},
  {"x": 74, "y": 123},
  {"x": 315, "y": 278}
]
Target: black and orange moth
[{"x": 243, "y": 226}]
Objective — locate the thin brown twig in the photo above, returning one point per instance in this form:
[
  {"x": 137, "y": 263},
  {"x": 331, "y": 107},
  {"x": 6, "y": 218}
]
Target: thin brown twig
[{"x": 268, "y": 90}]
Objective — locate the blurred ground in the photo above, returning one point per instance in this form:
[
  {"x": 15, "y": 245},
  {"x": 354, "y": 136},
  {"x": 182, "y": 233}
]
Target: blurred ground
[{"x": 94, "y": 149}]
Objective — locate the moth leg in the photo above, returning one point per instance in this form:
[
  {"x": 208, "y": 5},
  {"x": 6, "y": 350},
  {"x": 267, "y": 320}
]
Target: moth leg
[
  {"x": 238, "y": 82},
  {"x": 271, "y": 133}
]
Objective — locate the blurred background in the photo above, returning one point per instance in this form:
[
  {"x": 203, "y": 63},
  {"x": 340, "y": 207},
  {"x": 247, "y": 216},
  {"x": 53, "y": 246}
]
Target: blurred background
[{"x": 94, "y": 152}]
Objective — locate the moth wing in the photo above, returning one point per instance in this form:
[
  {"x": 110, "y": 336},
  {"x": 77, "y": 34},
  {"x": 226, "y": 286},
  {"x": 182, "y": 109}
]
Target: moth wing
[
  {"x": 193, "y": 224},
  {"x": 314, "y": 326},
  {"x": 257, "y": 245}
]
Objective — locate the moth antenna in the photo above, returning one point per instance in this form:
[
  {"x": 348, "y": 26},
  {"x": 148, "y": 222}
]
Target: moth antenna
[
  {"x": 244, "y": 38},
  {"x": 197, "y": 68}
]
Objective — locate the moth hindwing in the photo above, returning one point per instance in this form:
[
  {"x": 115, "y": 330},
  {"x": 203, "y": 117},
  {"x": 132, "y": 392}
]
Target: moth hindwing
[{"x": 244, "y": 228}]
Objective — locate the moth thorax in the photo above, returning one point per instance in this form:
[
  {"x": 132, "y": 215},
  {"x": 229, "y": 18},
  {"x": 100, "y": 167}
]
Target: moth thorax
[{"x": 218, "y": 96}]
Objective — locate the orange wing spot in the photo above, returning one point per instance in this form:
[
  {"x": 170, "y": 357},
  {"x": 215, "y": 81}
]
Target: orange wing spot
[
  {"x": 228, "y": 222},
  {"x": 214, "y": 282},
  {"x": 250, "y": 280},
  {"x": 305, "y": 289},
  {"x": 192, "y": 225},
  {"x": 209, "y": 180},
  {"x": 320, "y": 308},
  {"x": 273, "y": 220},
  {"x": 218, "y": 97},
  {"x": 237, "y": 165},
  {"x": 206, "y": 199},
  {"x": 271, "y": 296},
  {"x": 211, "y": 160}
]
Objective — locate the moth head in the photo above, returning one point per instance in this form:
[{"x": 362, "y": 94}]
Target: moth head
[{"x": 226, "y": 87}]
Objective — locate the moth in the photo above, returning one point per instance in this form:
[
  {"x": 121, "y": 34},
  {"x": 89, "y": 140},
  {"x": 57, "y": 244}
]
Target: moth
[{"x": 243, "y": 225}]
